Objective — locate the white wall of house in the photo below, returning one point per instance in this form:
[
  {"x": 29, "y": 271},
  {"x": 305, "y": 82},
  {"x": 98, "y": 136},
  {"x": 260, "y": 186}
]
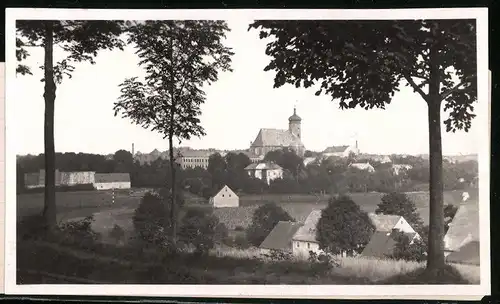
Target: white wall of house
[
  {"x": 77, "y": 178},
  {"x": 225, "y": 198},
  {"x": 273, "y": 174},
  {"x": 112, "y": 185},
  {"x": 302, "y": 248}
]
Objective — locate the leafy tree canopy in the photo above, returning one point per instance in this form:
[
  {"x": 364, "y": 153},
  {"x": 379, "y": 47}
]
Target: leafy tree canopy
[
  {"x": 396, "y": 203},
  {"x": 343, "y": 226}
]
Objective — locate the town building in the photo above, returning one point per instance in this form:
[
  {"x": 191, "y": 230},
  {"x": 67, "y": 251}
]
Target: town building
[
  {"x": 107, "y": 181},
  {"x": 275, "y": 139},
  {"x": 341, "y": 151},
  {"x": 266, "y": 171},
  {"x": 304, "y": 240},
  {"x": 382, "y": 242},
  {"x": 37, "y": 179},
  {"x": 363, "y": 166},
  {"x": 400, "y": 168},
  {"x": 225, "y": 198},
  {"x": 461, "y": 242},
  {"x": 280, "y": 238}
]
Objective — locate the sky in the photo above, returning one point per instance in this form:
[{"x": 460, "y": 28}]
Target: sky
[{"x": 237, "y": 106}]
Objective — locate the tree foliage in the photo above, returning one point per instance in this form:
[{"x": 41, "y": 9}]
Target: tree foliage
[
  {"x": 263, "y": 221},
  {"x": 80, "y": 40},
  {"x": 179, "y": 58},
  {"x": 396, "y": 203},
  {"x": 362, "y": 64},
  {"x": 407, "y": 249},
  {"x": 199, "y": 228},
  {"x": 343, "y": 227}
]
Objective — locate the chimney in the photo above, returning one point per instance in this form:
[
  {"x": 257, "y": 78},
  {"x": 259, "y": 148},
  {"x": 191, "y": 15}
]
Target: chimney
[{"x": 132, "y": 149}]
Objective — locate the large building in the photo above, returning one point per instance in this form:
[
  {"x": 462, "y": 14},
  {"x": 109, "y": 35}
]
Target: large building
[
  {"x": 274, "y": 139},
  {"x": 100, "y": 181}
]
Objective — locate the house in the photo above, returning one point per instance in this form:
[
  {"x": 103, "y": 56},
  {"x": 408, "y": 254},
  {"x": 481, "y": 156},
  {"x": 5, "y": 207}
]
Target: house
[
  {"x": 383, "y": 240},
  {"x": 363, "y": 166},
  {"x": 280, "y": 238},
  {"x": 341, "y": 151},
  {"x": 37, "y": 179},
  {"x": 275, "y": 139},
  {"x": 225, "y": 198},
  {"x": 461, "y": 242},
  {"x": 400, "y": 168},
  {"x": 389, "y": 222},
  {"x": 266, "y": 171},
  {"x": 304, "y": 240},
  {"x": 106, "y": 181},
  {"x": 382, "y": 244}
]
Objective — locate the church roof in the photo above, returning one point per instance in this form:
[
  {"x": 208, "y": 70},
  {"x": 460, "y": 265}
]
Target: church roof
[
  {"x": 276, "y": 138},
  {"x": 335, "y": 149}
]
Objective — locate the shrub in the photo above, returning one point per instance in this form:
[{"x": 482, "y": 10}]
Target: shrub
[
  {"x": 405, "y": 249},
  {"x": 239, "y": 228},
  {"x": 321, "y": 264},
  {"x": 278, "y": 255},
  {"x": 117, "y": 233},
  {"x": 221, "y": 233},
  {"x": 31, "y": 227},
  {"x": 241, "y": 242},
  {"x": 152, "y": 219},
  {"x": 79, "y": 232},
  {"x": 199, "y": 229}
]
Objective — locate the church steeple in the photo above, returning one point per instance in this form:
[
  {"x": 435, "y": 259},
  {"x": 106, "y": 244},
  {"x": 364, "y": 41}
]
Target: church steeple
[{"x": 294, "y": 123}]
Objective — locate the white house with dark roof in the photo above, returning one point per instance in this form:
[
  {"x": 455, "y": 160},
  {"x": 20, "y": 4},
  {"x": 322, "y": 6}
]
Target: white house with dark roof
[
  {"x": 341, "y": 151},
  {"x": 304, "y": 240},
  {"x": 266, "y": 171},
  {"x": 274, "y": 139},
  {"x": 363, "y": 166},
  {"x": 280, "y": 238},
  {"x": 225, "y": 198},
  {"x": 106, "y": 181},
  {"x": 388, "y": 222}
]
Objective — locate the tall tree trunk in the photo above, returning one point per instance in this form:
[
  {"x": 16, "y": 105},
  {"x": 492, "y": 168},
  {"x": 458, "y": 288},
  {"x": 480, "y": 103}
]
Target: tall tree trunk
[
  {"x": 435, "y": 257},
  {"x": 49, "y": 210},
  {"x": 173, "y": 207}
]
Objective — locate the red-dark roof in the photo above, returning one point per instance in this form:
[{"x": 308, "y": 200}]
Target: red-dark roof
[{"x": 280, "y": 238}]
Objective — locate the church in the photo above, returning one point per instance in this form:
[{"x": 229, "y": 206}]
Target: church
[{"x": 275, "y": 139}]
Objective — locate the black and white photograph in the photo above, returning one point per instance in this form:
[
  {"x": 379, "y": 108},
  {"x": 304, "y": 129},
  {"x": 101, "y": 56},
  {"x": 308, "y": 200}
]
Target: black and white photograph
[{"x": 254, "y": 153}]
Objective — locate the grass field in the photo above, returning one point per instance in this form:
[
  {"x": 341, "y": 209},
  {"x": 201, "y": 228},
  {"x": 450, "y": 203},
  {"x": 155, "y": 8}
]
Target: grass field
[{"x": 99, "y": 203}]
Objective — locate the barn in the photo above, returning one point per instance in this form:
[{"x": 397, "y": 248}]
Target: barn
[
  {"x": 225, "y": 198},
  {"x": 106, "y": 181}
]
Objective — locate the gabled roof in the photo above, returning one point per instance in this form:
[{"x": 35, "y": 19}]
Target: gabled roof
[
  {"x": 280, "y": 237},
  {"x": 112, "y": 177},
  {"x": 276, "y": 138},
  {"x": 307, "y": 232},
  {"x": 228, "y": 190},
  {"x": 382, "y": 244},
  {"x": 336, "y": 149},
  {"x": 384, "y": 222},
  {"x": 263, "y": 166},
  {"x": 463, "y": 228},
  {"x": 467, "y": 254}
]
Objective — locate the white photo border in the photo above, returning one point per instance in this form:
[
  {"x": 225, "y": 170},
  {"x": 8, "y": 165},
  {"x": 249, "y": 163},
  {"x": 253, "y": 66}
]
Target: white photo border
[{"x": 256, "y": 291}]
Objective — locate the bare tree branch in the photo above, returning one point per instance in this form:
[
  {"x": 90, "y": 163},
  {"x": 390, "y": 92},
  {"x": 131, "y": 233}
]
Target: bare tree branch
[{"x": 416, "y": 87}]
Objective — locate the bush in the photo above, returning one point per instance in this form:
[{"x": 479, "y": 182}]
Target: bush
[
  {"x": 221, "y": 233},
  {"x": 199, "y": 229},
  {"x": 152, "y": 218},
  {"x": 31, "y": 227},
  {"x": 278, "y": 255},
  {"x": 239, "y": 228},
  {"x": 405, "y": 249},
  {"x": 241, "y": 242},
  {"x": 79, "y": 233},
  {"x": 117, "y": 233},
  {"x": 321, "y": 264}
]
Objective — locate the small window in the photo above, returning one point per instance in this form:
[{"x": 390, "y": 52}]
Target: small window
[
  {"x": 308, "y": 245},
  {"x": 297, "y": 244},
  {"x": 222, "y": 195}
]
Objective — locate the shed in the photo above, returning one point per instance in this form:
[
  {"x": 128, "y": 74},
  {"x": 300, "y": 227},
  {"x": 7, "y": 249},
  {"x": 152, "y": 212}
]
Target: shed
[
  {"x": 280, "y": 238},
  {"x": 225, "y": 198}
]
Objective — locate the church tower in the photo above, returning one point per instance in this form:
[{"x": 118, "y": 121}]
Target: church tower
[{"x": 294, "y": 124}]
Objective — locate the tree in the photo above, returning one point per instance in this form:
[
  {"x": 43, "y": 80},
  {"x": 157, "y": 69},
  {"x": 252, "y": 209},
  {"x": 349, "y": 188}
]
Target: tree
[
  {"x": 263, "y": 221},
  {"x": 397, "y": 203},
  {"x": 217, "y": 168},
  {"x": 150, "y": 218},
  {"x": 406, "y": 249},
  {"x": 199, "y": 229},
  {"x": 449, "y": 213},
  {"x": 178, "y": 57},
  {"x": 343, "y": 227},
  {"x": 287, "y": 159},
  {"x": 80, "y": 40},
  {"x": 363, "y": 63},
  {"x": 123, "y": 161}
]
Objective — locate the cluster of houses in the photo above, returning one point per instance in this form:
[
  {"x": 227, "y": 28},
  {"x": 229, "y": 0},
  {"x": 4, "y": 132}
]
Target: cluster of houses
[
  {"x": 299, "y": 238},
  {"x": 100, "y": 181},
  {"x": 461, "y": 241}
]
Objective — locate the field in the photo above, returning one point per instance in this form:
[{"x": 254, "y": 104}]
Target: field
[{"x": 73, "y": 205}]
